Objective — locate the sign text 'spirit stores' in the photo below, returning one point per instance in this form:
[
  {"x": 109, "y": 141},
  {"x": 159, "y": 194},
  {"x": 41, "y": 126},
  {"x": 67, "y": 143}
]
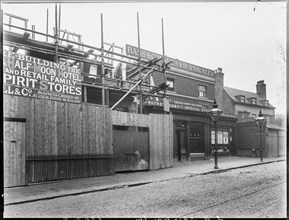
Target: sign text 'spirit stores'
[
  {"x": 36, "y": 78},
  {"x": 148, "y": 55}
]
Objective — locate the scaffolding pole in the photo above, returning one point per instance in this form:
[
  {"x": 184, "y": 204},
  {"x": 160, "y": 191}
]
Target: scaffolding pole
[
  {"x": 47, "y": 14},
  {"x": 139, "y": 68},
  {"x": 128, "y": 92},
  {"x": 102, "y": 63},
  {"x": 163, "y": 45},
  {"x": 56, "y": 35}
]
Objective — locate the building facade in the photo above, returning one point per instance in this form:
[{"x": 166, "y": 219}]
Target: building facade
[{"x": 191, "y": 93}]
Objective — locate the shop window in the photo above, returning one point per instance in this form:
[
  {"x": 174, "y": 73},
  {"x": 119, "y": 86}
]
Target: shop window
[
  {"x": 223, "y": 138},
  {"x": 171, "y": 84},
  {"x": 202, "y": 91}
]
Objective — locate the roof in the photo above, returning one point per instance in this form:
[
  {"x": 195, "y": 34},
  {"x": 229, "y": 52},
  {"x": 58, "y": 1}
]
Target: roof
[{"x": 235, "y": 92}]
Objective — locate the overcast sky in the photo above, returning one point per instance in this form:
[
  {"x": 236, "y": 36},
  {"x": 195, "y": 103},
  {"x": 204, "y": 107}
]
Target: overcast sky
[{"x": 245, "y": 43}]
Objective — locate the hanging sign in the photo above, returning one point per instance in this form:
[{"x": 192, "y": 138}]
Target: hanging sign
[
  {"x": 37, "y": 78},
  {"x": 166, "y": 105}
]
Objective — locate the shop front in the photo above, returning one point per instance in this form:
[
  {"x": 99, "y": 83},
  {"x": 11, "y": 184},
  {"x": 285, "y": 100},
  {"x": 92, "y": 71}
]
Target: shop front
[
  {"x": 226, "y": 127},
  {"x": 194, "y": 132}
]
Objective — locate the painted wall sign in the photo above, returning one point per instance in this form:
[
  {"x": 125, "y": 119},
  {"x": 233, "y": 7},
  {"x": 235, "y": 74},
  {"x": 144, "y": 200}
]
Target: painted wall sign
[
  {"x": 36, "y": 78},
  {"x": 177, "y": 105},
  {"x": 148, "y": 55}
]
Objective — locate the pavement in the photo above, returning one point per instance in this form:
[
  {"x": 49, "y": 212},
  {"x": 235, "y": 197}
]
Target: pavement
[{"x": 56, "y": 189}]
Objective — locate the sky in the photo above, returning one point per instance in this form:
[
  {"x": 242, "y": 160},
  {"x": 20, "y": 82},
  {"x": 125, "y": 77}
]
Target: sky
[{"x": 246, "y": 44}]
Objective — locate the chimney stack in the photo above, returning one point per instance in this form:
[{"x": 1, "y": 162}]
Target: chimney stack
[
  {"x": 219, "y": 87},
  {"x": 261, "y": 89}
]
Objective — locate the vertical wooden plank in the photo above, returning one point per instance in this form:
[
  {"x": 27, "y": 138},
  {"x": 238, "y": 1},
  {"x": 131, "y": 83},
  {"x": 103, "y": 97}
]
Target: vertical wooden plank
[
  {"x": 37, "y": 128},
  {"x": 152, "y": 140},
  {"x": 46, "y": 126},
  {"x": 172, "y": 139},
  {"x": 55, "y": 142},
  {"x": 109, "y": 132},
  {"x": 22, "y": 154}
]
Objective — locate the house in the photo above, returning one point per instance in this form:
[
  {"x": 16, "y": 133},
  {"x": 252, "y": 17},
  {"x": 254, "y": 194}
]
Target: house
[{"x": 247, "y": 106}]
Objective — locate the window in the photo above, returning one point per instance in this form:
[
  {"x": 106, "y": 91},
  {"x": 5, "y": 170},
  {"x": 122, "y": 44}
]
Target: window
[
  {"x": 202, "y": 91},
  {"x": 254, "y": 101},
  {"x": 266, "y": 103},
  {"x": 171, "y": 84},
  {"x": 224, "y": 136},
  {"x": 241, "y": 115},
  {"x": 242, "y": 98}
]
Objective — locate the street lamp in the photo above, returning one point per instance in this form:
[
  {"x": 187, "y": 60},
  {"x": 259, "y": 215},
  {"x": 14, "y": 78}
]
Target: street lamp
[
  {"x": 215, "y": 114},
  {"x": 261, "y": 121}
]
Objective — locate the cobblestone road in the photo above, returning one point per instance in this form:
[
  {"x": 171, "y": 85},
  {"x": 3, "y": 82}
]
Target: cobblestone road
[{"x": 257, "y": 191}]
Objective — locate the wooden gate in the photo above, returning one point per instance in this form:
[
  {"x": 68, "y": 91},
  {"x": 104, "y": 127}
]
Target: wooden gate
[
  {"x": 160, "y": 129},
  {"x": 131, "y": 150},
  {"x": 14, "y": 152}
]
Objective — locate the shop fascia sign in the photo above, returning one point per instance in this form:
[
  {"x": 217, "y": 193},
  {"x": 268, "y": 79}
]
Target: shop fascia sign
[
  {"x": 177, "y": 105},
  {"x": 32, "y": 77},
  {"x": 148, "y": 55},
  {"x": 183, "y": 105}
]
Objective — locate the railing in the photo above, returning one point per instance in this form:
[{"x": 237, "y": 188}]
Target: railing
[{"x": 11, "y": 16}]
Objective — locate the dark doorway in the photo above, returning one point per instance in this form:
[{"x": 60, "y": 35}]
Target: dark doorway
[
  {"x": 196, "y": 138},
  {"x": 181, "y": 144},
  {"x": 131, "y": 149}
]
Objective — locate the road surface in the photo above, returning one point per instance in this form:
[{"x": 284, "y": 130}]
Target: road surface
[{"x": 252, "y": 192}]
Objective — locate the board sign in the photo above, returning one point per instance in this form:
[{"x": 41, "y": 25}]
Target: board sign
[
  {"x": 37, "y": 78},
  {"x": 148, "y": 55},
  {"x": 166, "y": 105},
  {"x": 177, "y": 105}
]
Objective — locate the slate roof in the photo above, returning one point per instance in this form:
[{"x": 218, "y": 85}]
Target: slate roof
[{"x": 235, "y": 92}]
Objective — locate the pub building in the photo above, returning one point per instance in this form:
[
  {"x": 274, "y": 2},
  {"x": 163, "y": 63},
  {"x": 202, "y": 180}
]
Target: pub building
[{"x": 191, "y": 92}]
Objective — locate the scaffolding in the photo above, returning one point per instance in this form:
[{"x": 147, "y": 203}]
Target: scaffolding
[{"x": 67, "y": 46}]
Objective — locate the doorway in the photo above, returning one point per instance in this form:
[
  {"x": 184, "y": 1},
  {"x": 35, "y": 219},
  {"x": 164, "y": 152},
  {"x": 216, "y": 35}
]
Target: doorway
[
  {"x": 14, "y": 152},
  {"x": 196, "y": 139},
  {"x": 181, "y": 150}
]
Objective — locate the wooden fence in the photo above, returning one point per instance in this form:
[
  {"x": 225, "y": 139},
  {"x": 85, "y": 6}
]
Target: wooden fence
[
  {"x": 248, "y": 138},
  {"x": 63, "y": 140},
  {"x": 66, "y": 140},
  {"x": 160, "y": 135}
]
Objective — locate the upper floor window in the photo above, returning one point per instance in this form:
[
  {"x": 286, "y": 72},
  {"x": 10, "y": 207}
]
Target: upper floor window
[
  {"x": 242, "y": 98},
  {"x": 244, "y": 114},
  {"x": 171, "y": 84},
  {"x": 202, "y": 91},
  {"x": 266, "y": 103},
  {"x": 254, "y": 101}
]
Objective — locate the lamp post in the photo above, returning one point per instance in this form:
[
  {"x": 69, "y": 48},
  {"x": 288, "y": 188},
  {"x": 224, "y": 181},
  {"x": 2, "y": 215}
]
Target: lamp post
[
  {"x": 215, "y": 114},
  {"x": 261, "y": 121}
]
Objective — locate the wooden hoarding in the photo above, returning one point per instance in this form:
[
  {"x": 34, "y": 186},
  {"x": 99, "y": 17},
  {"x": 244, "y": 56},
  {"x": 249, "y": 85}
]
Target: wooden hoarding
[{"x": 63, "y": 140}]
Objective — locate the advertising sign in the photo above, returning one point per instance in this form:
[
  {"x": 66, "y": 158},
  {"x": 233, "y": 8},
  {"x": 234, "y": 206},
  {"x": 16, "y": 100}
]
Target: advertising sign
[
  {"x": 225, "y": 137},
  {"x": 36, "y": 78},
  {"x": 177, "y": 105},
  {"x": 166, "y": 105},
  {"x": 148, "y": 55}
]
